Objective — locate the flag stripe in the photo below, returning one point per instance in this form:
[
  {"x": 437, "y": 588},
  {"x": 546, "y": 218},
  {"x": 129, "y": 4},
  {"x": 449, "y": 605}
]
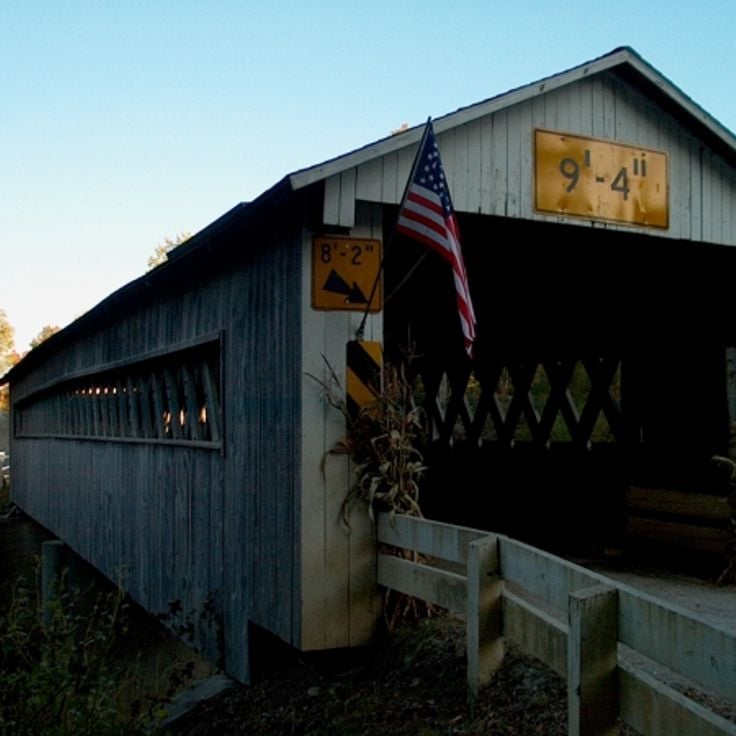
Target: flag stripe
[{"x": 424, "y": 225}]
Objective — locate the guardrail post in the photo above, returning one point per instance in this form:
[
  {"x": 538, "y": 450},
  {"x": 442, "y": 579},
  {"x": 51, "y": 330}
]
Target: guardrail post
[
  {"x": 484, "y": 630},
  {"x": 592, "y": 659}
]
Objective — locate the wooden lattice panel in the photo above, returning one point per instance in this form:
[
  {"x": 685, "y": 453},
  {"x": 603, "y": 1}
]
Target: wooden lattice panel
[{"x": 541, "y": 403}]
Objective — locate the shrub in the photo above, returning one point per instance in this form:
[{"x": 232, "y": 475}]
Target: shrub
[{"x": 57, "y": 667}]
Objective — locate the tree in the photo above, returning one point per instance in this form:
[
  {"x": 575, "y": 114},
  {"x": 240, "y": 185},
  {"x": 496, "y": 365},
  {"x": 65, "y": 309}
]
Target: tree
[
  {"x": 8, "y": 356},
  {"x": 161, "y": 252},
  {"x": 7, "y": 342},
  {"x": 44, "y": 334}
]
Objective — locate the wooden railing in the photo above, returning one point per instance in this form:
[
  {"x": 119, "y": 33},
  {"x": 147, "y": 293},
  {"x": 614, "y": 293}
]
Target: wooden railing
[{"x": 602, "y": 636}]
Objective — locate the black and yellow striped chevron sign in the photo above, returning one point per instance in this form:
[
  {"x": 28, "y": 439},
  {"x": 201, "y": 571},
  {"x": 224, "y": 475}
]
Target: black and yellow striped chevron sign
[{"x": 364, "y": 361}]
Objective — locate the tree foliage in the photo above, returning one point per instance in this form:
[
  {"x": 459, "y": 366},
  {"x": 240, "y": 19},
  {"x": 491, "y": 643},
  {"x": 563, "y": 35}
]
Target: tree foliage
[
  {"x": 161, "y": 252},
  {"x": 7, "y": 342},
  {"x": 44, "y": 334},
  {"x": 8, "y": 356}
]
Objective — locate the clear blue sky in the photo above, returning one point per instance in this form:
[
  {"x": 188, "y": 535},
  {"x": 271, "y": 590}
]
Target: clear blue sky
[{"x": 123, "y": 123}]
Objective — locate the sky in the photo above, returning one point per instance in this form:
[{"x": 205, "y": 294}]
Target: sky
[{"x": 123, "y": 123}]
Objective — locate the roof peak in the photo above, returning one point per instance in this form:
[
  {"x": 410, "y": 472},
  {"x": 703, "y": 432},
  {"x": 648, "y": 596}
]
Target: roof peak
[{"x": 631, "y": 65}]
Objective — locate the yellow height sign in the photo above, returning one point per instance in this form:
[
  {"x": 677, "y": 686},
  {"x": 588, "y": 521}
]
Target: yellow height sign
[
  {"x": 344, "y": 271},
  {"x": 600, "y": 180}
]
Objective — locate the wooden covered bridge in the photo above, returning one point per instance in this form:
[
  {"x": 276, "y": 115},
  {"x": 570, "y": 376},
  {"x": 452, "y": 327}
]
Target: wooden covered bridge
[{"x": 172, "y": 432}]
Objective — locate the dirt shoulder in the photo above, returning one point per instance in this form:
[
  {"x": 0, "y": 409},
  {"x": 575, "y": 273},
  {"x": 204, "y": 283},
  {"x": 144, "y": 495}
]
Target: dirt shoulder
[{"x": 414, "y": 683}]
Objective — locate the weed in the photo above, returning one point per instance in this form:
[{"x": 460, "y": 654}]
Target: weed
[
  {"x": 67, "y": 666},
  {"x": 57, "y": 666}
]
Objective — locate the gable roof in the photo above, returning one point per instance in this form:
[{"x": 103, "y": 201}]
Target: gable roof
[{"x": 623, "y": 61}]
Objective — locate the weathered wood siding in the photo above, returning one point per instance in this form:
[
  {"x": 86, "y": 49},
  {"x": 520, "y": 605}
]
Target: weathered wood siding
[
  {"x": 337, "y": 586},
  {"x": 181, "y": 523},
  {"x": 489, "y": 161}
]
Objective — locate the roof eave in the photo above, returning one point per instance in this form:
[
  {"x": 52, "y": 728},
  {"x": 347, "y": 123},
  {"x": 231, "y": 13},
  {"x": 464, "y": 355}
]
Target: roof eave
[
  {"x": 621, "y": 58},
  {"x": 197, "y": 243}
]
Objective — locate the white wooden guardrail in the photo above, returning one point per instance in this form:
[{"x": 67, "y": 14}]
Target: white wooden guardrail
[{"x": 576, "y": 621}]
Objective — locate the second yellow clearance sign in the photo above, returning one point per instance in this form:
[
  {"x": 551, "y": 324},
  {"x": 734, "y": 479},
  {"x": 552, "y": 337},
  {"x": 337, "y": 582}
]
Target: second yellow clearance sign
[{"x": 600, "y": 180}]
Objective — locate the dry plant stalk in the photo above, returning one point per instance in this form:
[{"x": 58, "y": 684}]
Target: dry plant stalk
[{"x": 383, "y": 441}]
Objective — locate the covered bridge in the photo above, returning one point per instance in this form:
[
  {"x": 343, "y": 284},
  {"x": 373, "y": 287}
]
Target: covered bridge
[{"x": 173, "y": 433}]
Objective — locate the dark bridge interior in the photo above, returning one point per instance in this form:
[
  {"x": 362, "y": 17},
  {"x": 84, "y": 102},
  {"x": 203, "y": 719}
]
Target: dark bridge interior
[{"x": 599, "y": 363}]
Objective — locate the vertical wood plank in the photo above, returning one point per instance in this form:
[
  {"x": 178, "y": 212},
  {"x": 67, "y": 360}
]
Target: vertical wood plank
[
  {"x": 212, "y": 403},
  {"x": 113, "y": 415},
  {"x": 158, "y": 406},
  {"x": 346, "y": 213},
  {"x": 175, "y": 408},
  {"x": 678, "y": 162},
  {"x": 696, "y": 200},
  {"x": 74, "y": 398},
  {"x": 592, "y": 658},
  {"x": 515, "y": 140},
  {"x": 609, "y": 107},
  {"x": 133, "y": 409},
  {"x": 391, "y": 189},
  {"x": 499, "y": 158},
  {"x": 192, "y": 414},
  {"x": 331, "y": 204},
  {"x": 530, "y": 113},
  {"x": 123, "y": 428},
  {"x": 405, "y": 162},
  {"x": 707, "y": 194},
  {"x": 485, "y": 643},
  {"x": 149, "y": 419},
  {"x": 474, "y": 201},
  {"x": 104, "y": 404},
  {"x": 369, "y": 182},
  {"x": 453, "y": 147},
  {"x": 94, "y": 400},
  {"x": 86, "y": 411},
  {"x": 487, "y": 182}
]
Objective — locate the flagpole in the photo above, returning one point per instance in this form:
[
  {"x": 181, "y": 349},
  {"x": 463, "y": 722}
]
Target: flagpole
[{"x": 360, "y": 332}]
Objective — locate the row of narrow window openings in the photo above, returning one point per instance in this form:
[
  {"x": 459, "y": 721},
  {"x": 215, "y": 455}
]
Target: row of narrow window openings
[
  {"x": 176, "y": 398},
  {"x": 474, "y": 419}
]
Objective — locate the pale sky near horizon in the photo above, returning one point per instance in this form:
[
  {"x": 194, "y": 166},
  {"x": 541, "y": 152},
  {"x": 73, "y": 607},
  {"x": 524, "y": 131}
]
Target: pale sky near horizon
[{"x": 124, "y": 123}]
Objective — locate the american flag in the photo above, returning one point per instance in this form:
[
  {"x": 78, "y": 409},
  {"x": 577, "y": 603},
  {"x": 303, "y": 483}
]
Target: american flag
[{"x": 426, "y": 215}]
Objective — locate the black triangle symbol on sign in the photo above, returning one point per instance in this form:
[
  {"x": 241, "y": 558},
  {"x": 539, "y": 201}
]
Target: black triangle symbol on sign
[
  {"x": 336, "y": 284},
  {"x": 356, "y": 296}
]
